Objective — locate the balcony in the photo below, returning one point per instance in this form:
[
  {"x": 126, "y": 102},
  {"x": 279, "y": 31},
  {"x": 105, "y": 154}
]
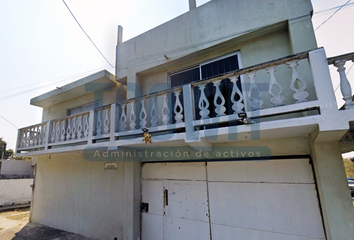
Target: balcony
[{"x": 282, "y": 98}]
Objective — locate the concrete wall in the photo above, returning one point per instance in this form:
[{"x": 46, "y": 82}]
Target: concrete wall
[
  {"x": 79, "y": 196},
  {"x": 203, "y": 27},
  {"x": 15, "y": 191},
  {"x": 15, "y": 167},
  {"x": 104, "y": 97}
]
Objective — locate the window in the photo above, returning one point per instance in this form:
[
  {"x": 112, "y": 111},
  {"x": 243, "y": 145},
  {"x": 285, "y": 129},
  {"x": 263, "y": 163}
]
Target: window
[
  {"x": 206, "y": 70},
  {"x": 83, "y": 108}
]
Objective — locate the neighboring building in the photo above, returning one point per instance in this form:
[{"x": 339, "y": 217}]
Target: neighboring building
[{"x": 246, "y": 134}]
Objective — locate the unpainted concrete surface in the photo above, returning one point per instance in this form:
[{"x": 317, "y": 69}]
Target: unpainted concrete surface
[{"x": 14, "y": 225}]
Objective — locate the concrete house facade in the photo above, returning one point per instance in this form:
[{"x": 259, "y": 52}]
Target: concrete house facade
[{"x": 246, "y": 135}]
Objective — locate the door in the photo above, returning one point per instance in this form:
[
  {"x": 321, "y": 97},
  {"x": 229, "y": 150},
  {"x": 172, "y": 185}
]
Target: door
[
  {"x": 253, "y": 200},
  {"x": 175, "y": 200}
]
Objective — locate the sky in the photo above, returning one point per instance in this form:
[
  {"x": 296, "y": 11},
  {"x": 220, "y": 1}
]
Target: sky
[{"x": 42, "y": 47}]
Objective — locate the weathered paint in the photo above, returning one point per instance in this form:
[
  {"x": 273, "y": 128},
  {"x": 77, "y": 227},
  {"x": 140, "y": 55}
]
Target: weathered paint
[
  {"x": 15, "y": 191},
  {"x": 274, "y": 199}
]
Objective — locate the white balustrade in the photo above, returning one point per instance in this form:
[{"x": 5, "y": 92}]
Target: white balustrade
[
  {"x": 154, "y": 113},
  {"x": 203, "y": 102},
  {"x": 300, "y": 94},
  {"x": 123, "y": 119},
  {"x": 277, "y": 99},
  {"x": 219, "y": 108},
  {"x": 238, "y": 105},
  {"x": 132, "y": 116},
  {"x": 345, "y": 87},
  {"x": 32, "y": 136},
  {"x": 255, "y": 94},
  {"x": 178, "y": 108},
  {"x": 143, "y": 114},
  {"x": 165, "y": 110}
]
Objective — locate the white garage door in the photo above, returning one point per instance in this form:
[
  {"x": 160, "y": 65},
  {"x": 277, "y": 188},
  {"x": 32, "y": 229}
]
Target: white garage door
[{"x": 245, "y": 200}]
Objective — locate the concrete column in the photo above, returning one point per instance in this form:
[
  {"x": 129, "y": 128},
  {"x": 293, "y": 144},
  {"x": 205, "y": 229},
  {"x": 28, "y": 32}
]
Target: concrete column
[
  {"x": 119, "y": 41},
  {"x": 335, "y": 199},
  {"x": 131, "y": 227},
  {"x": 192, "y": 4},
  {"x": 299, "y": 29}
]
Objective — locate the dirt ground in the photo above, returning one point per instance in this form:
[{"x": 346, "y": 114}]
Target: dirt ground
[{"x": 12, "y": 221}]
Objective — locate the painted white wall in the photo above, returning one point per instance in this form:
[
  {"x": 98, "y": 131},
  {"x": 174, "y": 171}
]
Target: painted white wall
[
  {"x": 79, "y": 196},
  {"x": 15, "y": 191},
  {"x": 15, "y": 167}
]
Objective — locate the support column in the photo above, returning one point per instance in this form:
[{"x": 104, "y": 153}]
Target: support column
[
  {"x": 334, "y": 195},
  {"x": 131, "y": 227},
  {"x": 299, "y": 29}
]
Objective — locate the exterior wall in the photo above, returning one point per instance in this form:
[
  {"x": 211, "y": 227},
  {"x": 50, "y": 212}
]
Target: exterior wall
[
  {"x": 336, "y": 202},
  {"x": 252, "y": 52},
  {"x": 197, "y": 30},
  {"x": 15, "y": 191},
  {"x": 104, "y": 97},
  {"x": 16, "y": 167},
  {"x": 79, "y": 196}
]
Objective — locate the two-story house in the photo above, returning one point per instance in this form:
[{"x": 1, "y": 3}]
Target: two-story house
[{"x": 245, "y": 133}]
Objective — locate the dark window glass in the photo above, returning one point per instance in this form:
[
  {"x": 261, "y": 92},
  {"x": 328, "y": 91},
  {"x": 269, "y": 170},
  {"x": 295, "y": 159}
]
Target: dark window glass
[
  {"x": 185, "y": 77},
  {"x": 208, "y": 70}
]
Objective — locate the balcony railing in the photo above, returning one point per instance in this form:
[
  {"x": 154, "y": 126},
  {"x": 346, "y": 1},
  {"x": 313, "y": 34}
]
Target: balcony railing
[
  {"x": 345, "y": 87},
  {"x": 284, "y": 88}
]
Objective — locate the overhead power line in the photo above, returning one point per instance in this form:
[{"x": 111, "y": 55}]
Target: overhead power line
[
  {"x": 345, "y": 75},
  {"x": 333, "y": 14},
  {"x": 86, "y": 34},
  {"x": 33, "y": 89},
  {"x": 9, "y": 122}
]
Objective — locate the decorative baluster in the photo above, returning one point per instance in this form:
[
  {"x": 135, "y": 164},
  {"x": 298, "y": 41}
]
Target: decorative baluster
[
  {"x": 79, "y": 127},
  {"x": 300, "y": 94},
  {"x": 62, "y": 131},
  {"x": 178, "y": 105},
  {"x": 53, "y": 132},
  {"x": 99, "y": 122},
  {"x": 35, "y": 135},
  {"x": 165, "y": 110},
  {"x": 106, "y": 121},
  {"x": 203, "y": 103},
  {"x": 39, "y": 135},
  {"x": 219, "y": 108},
  {"x": 254, "y": 92},
  {"x": 154, "y": 113},
  {"x": 74, "y": 129},
  {"x": 238, "y": 105},
  {"x": 44, "y": 130},
  {"x": 276, "y": 99},
  {"x": 30, "y": 136},
  {"x": 143, "y": 115},
  {"x": 86, "y": 125},
  {"x": 68, "y": 130},
  {"x": 23, "y": 140},
  {"x": 132, "y": 116},
  {"x": 57, "y": 132},
  {"x": 345, "y": 87},
  {"x": 123, "y": 119}
]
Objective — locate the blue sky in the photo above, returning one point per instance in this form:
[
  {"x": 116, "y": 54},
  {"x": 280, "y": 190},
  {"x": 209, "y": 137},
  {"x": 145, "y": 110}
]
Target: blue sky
[{"x": 42, "y": 47}]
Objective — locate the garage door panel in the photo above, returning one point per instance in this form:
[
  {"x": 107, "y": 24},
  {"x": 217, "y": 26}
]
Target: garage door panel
[
  {"x": 184, "y": 229},
  {"x": 152, "y": 227},
  {"x": 152, "y": 193},
  {"x": 289, "y": 171},
  {"x": 220, "y": 232},
  {"x": 188, "y": 200},
  {"x": 190, "y": 171},
  {"x": 285, "y": 208}
]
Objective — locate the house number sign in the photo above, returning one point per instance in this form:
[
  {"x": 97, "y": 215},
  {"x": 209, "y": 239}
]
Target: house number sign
[{"x": 110, "y": 166}]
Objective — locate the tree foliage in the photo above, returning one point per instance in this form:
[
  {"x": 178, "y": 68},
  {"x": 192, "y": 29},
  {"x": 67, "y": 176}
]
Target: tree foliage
[{"x": 349, "y": 166}]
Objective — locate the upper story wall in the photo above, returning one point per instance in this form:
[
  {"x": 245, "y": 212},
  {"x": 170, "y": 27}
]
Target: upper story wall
[{"x": 219, "y": 22}]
